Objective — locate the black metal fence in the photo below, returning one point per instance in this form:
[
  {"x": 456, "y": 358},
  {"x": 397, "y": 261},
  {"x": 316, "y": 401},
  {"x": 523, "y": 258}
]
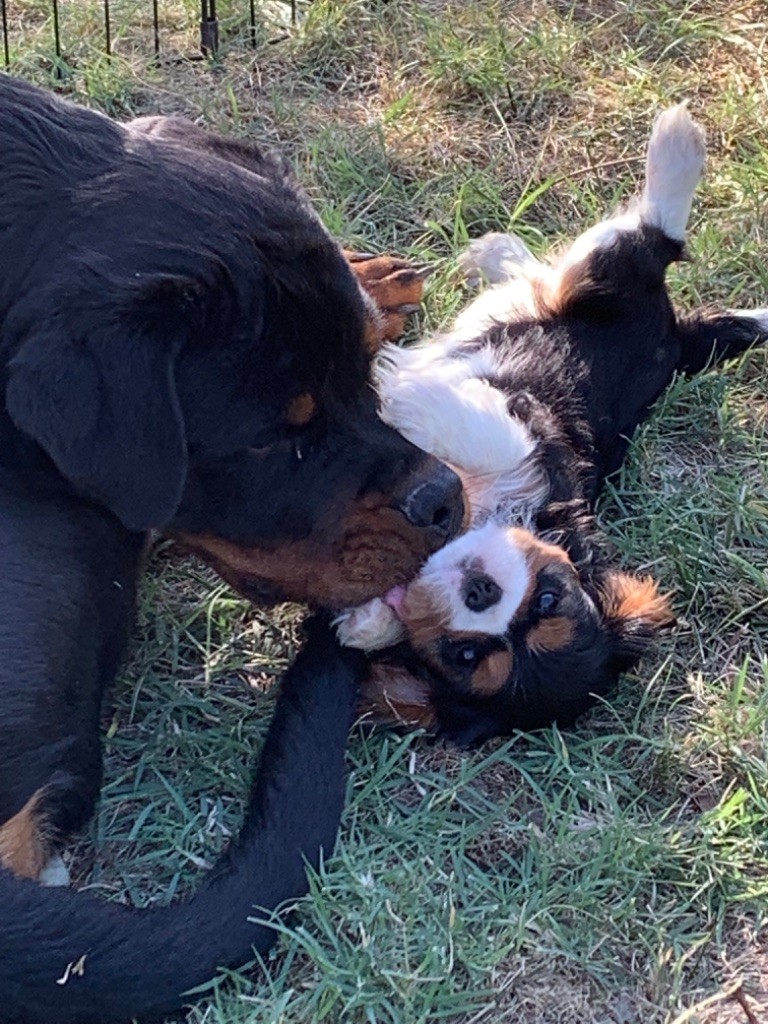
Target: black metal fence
[{"x": 209, "y": 36}]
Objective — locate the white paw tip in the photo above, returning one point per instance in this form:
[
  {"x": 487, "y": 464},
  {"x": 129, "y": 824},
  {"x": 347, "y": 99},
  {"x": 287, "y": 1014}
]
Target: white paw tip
[
  {"x": 676, "y": 136},
  {"x": 494, "y": 257},
  {"x": 55, "y": 874},
  {"x": 759, "y": 315},
  {"x": 371, "y": 627}
]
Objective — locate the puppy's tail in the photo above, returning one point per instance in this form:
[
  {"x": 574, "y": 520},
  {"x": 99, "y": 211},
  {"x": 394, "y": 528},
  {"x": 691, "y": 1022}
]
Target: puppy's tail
[
  {"x": 710, "y": 338},
  {"x": 70, "y": 958}
]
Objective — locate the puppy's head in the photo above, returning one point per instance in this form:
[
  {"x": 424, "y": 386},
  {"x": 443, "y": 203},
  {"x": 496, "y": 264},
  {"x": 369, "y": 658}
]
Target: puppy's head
[
  {"x": 199, "y": 362},
  {"x": 503, "y": 633}
]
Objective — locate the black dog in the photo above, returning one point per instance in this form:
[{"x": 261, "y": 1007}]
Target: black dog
[
  {"x": 533, "y": 396},
  {"x": 183, "y": 347},
  {"x": 65, "y": 605}
]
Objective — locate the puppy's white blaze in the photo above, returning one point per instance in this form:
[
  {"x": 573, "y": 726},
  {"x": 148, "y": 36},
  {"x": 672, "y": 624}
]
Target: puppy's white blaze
[
  {"x": 674, "y": 165},
  {"x": 496, "y": 257},
  {"x": 760, "y": 316},
  {"x": 465, "y": 424},
  {"x": 371, "y": 627},
  {"x": 491, "y": 547}
]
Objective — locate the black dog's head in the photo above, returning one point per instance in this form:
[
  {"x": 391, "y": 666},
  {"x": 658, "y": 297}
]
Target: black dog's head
[
  {"x": 188, "y": 345},
  {"x": 504, "y": 632}
]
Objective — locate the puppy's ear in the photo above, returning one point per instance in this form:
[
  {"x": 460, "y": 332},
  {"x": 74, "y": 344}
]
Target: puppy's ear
[
  {"x": 96, "y": 390},
  {"x": 635, "y": 613}
]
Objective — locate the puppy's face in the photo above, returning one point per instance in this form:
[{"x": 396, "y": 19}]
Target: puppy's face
[{"x": 502, "y": 634}]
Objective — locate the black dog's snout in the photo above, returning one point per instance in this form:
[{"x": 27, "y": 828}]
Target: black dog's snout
[
  {"x": 437, "y": 503},
  {"x": 481, "y": 592}
]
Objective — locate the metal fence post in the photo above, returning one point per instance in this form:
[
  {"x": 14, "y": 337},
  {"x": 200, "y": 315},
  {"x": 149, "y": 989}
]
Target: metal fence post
[
  {"x": 6, "y": 49},
  {"x": 57, "y": 38},
  {"x": 107, "y": 30},
  {"x": 156, "y": 26},
  {"x": 209, "y": 28}
]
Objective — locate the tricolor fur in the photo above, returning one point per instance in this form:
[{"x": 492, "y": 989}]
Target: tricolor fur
[{"x": 532, "y": 397}]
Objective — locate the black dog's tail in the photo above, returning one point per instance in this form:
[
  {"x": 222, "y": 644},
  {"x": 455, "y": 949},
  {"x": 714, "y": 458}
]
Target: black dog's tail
[
  {"x": 709, "y": 338},
  {"x": 70, "y": 958}
]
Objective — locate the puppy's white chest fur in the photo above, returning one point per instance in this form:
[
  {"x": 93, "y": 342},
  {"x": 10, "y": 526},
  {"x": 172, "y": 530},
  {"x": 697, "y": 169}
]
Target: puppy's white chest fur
[{"x": 439, "y": 399}]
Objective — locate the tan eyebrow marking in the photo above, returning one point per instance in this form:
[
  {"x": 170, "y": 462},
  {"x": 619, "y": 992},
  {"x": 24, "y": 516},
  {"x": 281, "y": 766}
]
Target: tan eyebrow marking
[
  {"x": 538, "y": 555},
  {"x": 300, "y": 410}
]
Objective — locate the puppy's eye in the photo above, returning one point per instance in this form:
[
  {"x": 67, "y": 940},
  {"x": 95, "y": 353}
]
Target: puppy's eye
[
  {"x": 464, "y": 654},
  {"x": 547, "y": 602}
]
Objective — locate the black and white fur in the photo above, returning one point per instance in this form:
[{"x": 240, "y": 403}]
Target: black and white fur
[{"x": 533, "y": 396}]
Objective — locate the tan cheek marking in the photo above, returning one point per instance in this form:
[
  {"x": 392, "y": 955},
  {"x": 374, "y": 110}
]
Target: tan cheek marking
[
  {"x": 554, "y": 298},
  {"x": 553, "y": 634},
  {"x": 23, "y": 849},
  {"x": 376, "y": 549},
  {"x": 492, "y": 674},
  {"x": 300, "y": 410}
]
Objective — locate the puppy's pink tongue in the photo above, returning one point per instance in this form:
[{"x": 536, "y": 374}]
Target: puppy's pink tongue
[{"x": 394, "y": 598}]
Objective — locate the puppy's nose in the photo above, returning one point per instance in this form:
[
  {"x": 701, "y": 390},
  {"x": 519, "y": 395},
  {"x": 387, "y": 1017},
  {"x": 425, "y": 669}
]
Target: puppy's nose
[
  {"x": 436, "y": 503},
  {"x": 481, "y": 592}
]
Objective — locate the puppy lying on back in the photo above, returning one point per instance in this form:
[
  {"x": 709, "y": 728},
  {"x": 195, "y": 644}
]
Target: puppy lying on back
[{"x": 532, "y": 397}]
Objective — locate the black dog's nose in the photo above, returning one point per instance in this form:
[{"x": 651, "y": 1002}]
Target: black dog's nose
[
  {"x": 481, "y": 592},
  {"x": 437, "y": 502}
]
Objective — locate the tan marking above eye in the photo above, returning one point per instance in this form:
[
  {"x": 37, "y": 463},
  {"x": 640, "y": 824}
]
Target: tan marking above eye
[
  {"x": 491, "y": 674},
  {"x": 553, "y": 634},
  {"x": 537, "y": 552},
  {"x": 300, "y": 410},
  {"x": 539, "y": 555}
]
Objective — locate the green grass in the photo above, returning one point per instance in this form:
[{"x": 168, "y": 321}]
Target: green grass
[{"x": 616, "y": 873}]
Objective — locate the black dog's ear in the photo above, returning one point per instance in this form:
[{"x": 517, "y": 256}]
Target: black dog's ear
[
  {"x": 100, "y": 398},
  {"x": 635, "y": 613}
]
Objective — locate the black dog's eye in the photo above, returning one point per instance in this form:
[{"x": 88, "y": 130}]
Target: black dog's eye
[
  {"x": 547, "y": 602},
  {"x": 463, "y": 654}
]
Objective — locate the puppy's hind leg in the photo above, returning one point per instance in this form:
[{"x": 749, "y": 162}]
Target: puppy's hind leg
[
  {"x": 632, "y": 250},
  {"x": 673, "y": 169}
]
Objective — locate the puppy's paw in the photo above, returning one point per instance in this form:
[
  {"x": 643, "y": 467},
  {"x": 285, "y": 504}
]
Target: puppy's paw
[
  {"x": 371, "y": 627},
  {"x": 55, "y": 873},
  {"x": 674, "y": 164},
  {"x": 395, "y": 285},
  {"x": 494, "y": 258}
]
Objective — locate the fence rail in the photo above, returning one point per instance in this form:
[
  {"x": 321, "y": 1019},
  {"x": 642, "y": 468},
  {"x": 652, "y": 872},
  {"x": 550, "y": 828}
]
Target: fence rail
[{"x": 209, "y": 38}]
